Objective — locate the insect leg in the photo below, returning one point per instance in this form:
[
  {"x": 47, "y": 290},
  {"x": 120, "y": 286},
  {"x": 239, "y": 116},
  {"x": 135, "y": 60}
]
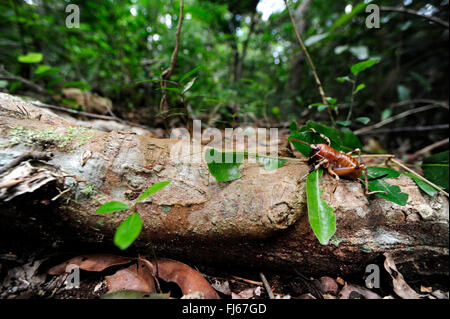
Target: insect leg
[
  {"x": 333, "y": 173},
  {"x": 322, "y": 136},
  {"x": 366, "y": 185},
  {"x": 315, "y": 167}
]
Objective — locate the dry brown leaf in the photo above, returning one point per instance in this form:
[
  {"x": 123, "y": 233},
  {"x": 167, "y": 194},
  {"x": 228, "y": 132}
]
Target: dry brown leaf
[
  {"x": 94, "y": 262},
  {"x": 135, "y": 277},
  {"x": 401, "y": 288},
  {"x": 355, "y": 292},
  {"x": 188, "y": 279}
]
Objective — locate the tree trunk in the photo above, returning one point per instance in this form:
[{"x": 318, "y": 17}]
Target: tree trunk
[
  {"x": 259, "y": 220},
  {"x": 298, "y": 60}
]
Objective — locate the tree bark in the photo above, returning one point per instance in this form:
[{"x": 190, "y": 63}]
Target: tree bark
[
  {"x": 259, "y": 220},
  {"x": 298, "y": 60}
]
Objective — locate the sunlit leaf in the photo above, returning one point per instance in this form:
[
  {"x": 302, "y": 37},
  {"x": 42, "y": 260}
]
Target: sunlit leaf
[
  {"x": 224, "y": 166},
  {"x": 321, "y": 216},
  {"x": 31, "y": 57},
  {"x": 152, "y": 190},
  {"x": 128, "y": 231},
  {"x": 111, "y": 207},
  {"x": 435, "y": 169},
  {"x": 361, "y": 66}
]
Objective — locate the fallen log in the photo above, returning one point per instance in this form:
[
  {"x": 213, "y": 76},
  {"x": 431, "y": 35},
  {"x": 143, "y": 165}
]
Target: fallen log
[{"x": 259, "y": 220}]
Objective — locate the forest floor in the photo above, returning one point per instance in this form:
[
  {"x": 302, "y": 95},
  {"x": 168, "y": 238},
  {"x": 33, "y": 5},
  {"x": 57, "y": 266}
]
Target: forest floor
[{"x": 24, "y": 266}]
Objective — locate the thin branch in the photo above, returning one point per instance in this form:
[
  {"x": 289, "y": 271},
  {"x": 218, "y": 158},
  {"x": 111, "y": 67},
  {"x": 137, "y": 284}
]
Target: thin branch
[
  {"x": 406, "y": 129},
  {"x": 267, "y": 286},
  {"x": 11, "y": 77},
  {"x": 86, "y": 114},
  {"x": 427, "y": 149},
  {"x": 311, "y": 64},
  {"x": 417, "y": 14},
  {"x": 396, "y": 117},
  {"x": 166, "y": 74},
  {"x": 419, "y": 176}
]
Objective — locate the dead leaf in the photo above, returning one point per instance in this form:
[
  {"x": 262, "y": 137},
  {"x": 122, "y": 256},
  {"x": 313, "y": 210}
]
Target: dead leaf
[
  {"x": 94, "y": 262},
  {"x": 223, "y": 287},
  {"x": 25, "y": 276},
  {"x": 401, "y": 288},
  {"x": 350, "y": 291},
  {"x": 247, "y": 293},
  {"x": 135, "y": 277},
  {"x": 188, "y": 279}
]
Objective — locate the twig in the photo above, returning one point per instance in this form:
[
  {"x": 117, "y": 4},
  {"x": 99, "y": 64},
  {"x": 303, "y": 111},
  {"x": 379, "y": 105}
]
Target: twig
[
  {"x": 428, "y": 148},
  {"x": 166, "y": 74},
  {"x": 311, "y": 64},
  {"x": 419, "y": 176},
  {"x": 11, "y": 77},
  {"x": 252, "y": 282},
  {"x": 267, "y": 286},
  {"x": 86, "y": 114},
  {"x": 352, "y": 99},
  {"x": 415, "y": 13},
  {"x": 396, "y": 117},
  {"x": 406, "y": 129},
  {"x": 444, "y": 104}
]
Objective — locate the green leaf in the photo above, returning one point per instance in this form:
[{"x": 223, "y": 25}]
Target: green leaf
[
  {"x": 339, "y": 49},
  {"x": 361, "y": 66},
  {"x": 394, "y": 193},
  {"x": 360, "y": 87},
  {"x": 188, "y": 74},
  {"x": 322, "y": 107},
  {"x": 128, "y": 231},
  {"x": 425, "y": 187},
  {"x": 403, "y": 93},
  {"x": 31, "y": 57},
  {"x": 386, "y": 114},
  {"x": 361, "y": 52},
  {"x": 315, "y": 38},
  {"x": 344, "y": 123},
  {"x": 293, "y": 127},
  {"x": 343, "y": 79},
  {"x": 269, "y": 163},
  {"x": 276, "y": 111},
  {"x": 111, "y": 207},
  {"x": 224, "y": 166},
  {"x": 321, "y": 216},
  {"x": 375, "y": 171},
  {"x": 42, "y": 69},
  {"x": 363, "y": 120},
  {"x": 77, "y": 84},
  {"x": 331, "y": 100},
  {"x": 188, "y": 85},
  {"x": 345, "y": 18},
  {"x": 152, "y": 190},
  {"x": 435, "y": 169}
]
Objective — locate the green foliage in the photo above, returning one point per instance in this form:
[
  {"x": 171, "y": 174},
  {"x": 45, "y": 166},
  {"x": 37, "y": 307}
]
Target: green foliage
[
  {"x": 31, "y": 57},
  {"x": 435, "y": 168},
  {"x": 224, "y": 166},
  {"x": 392, "y": 193},
  {"x": 361, "y": 66},
  {"x": 321, "y": 216},
  {"x": 128, "y": 231},
  {"x": 424, "y": 186},
  {"x": 152, "y": 190},
  {"x": 112, "y": 207}
]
